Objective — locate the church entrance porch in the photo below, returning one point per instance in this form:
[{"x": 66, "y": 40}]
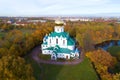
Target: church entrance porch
[
  {"x": 53, "y": 56},
  {"x": 67, "y": 57}
]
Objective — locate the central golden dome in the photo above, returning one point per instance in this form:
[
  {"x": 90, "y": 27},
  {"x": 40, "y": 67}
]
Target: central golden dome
[{"x": 59, "y": 21}]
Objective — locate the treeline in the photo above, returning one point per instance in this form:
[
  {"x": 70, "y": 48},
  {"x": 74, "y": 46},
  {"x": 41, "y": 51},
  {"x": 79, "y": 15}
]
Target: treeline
[
  {"x": 16, "y": 43},
  {"x": 90, "y": 33},
  {"x": 7, "y": 27}
]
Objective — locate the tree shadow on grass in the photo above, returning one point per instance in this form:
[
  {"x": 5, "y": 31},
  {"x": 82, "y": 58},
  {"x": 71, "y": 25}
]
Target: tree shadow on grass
[
  {"x": 36, "y": 67},
  {"x": 50, "y": 71},
  {"x": 82, "y": 71}
]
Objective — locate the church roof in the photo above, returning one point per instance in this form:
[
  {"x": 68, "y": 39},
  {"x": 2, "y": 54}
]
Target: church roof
[
  {"x": 45, "y": 43},
  {"x": 70, "y": 41},
  {"x": 65, "y": 50},
  {"x": 63, "y": 34},
  {"x": 46, "y": 37},
  {"x": 59, "y": 50}
]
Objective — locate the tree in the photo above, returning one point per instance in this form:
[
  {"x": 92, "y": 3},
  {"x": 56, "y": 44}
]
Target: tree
[
  {"x": 88, "y": 41},
  {"x": 72, "y": 32},
  {"x": 3, "y": 52},
  {"x": 15, "y": 68},
  {"x": 102, "y": 61},
  {"x": 101, "y": 57},
  {"x": 116, "y": 76},
  {"x": 13, "y": 50}
]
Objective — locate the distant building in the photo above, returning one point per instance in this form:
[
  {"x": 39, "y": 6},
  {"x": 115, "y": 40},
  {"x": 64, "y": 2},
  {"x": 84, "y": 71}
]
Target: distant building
[
  {"x": 36, "y": 21},
  {"x": 59, "y": 44},
  {"x": 79, "y": 19},
  {"x": 20, "y": 23},
  {"x": 9, "y": 22},
  {"x": 85, "y": 19}
]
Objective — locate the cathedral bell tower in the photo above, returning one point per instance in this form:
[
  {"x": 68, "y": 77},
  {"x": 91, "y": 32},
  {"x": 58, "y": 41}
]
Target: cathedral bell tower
[{"x": 59, "y": 26}]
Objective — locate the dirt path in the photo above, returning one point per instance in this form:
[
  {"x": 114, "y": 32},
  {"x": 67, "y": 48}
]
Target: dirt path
[{"x": 34, "y": 54}]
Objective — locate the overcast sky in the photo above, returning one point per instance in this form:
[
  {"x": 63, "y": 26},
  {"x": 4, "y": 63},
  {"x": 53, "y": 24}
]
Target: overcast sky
[{"x": 57, "y": 7}]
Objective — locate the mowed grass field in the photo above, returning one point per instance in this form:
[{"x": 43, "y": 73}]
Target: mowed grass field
[{"x": 82, "y": 71}]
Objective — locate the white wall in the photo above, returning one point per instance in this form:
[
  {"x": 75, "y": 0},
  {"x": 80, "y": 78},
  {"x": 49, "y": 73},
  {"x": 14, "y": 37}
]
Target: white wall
[
  {"x": 59, "y": 29},
  {"x": 63, "y": 55},
  {"x": 46, "y": 51},
  {"x": 44, "y": 46},
  {"x": 60, "y": 42},
  {"x": 67, "y": 55},
  {"x": 71, "y": 47}
]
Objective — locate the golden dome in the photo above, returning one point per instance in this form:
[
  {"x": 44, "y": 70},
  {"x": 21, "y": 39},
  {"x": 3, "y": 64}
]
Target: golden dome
[{"x": 59, "y": 21}]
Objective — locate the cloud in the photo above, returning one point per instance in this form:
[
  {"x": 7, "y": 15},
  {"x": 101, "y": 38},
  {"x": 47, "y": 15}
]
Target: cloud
[{"x": 44, "y": 7}]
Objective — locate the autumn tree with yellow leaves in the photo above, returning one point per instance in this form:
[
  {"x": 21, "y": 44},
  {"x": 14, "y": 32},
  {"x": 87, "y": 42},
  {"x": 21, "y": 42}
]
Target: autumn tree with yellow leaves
[{"x": 15, "y": 68}]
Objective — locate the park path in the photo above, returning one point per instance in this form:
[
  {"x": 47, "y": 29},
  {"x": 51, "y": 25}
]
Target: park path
[{"x": 34, "y": 54}]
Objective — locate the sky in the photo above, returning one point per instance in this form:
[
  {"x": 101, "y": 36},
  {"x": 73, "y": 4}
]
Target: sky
[{"x": 58, "y": 7}]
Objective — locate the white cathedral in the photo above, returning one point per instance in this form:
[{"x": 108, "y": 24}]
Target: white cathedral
[{"x": 59, "y": 44}]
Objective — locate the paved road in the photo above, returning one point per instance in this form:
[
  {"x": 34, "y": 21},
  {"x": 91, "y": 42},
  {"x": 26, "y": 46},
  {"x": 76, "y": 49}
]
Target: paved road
[{"x": 34, "y": 54}]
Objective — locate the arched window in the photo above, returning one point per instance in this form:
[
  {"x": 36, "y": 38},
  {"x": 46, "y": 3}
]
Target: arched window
[
  {"x": 63, "y": 42},
  {"x": 56, "y": 41},
  {"x": 50, "y": 40}
]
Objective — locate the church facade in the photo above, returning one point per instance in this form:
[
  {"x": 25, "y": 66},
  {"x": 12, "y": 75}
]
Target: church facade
[{"x": 59, "y": 44}]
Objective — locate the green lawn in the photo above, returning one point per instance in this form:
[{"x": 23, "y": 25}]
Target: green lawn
[
  {"x": 115, "y": 51},
  {"x": 82, "y": 71}
]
